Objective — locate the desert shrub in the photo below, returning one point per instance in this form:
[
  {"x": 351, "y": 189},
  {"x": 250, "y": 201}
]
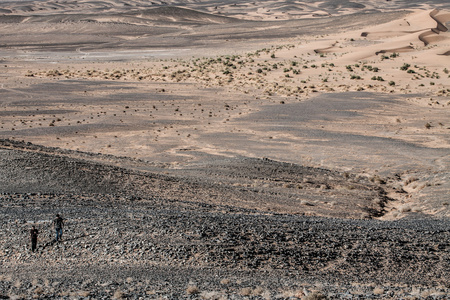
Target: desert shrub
[
  {"x": 315, "y": 296},
  {"x": 246, "y": 291},
  {"x": 405, "y": 67},
  {"x": 192, "y": 290},
  {"x": 391, "y": 83},
  {"x": 118, "y": 295},
  {"x": 84, "y": 293},
  {"x": 405, "y": 208}
]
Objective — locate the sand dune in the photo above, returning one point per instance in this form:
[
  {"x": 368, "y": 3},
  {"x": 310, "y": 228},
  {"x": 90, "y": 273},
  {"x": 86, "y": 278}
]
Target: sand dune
[
  {"x": 256, "y": 10},
  {"x": 177, "y": 14},
  {"x": 441, "y": 19},
  {"x": 160, "y": 14},
  {"x": 425, "y": 27}
]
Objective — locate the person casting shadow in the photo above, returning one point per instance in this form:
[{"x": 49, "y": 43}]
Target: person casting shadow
[
  {"x": 58, "y": 224},
  {"x": 34, "y": 236}
]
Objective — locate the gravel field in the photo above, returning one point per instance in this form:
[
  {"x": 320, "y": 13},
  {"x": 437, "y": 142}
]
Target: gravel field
[{"x": 123, "y": 241}]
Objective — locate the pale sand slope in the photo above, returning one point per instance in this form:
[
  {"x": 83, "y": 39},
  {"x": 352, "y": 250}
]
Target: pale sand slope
[{"x": 188, "y": 110}]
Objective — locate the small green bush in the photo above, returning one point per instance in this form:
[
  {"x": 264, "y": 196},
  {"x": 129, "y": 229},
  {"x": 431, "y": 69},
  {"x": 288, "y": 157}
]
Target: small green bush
[{"x": 405, "y": 67}]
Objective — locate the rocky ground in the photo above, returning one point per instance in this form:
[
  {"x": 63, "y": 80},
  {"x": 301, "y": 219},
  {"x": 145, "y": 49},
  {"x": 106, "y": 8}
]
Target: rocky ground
[
  {"x": 166, "y": 233},
  {"x": 215, "y": 150}
]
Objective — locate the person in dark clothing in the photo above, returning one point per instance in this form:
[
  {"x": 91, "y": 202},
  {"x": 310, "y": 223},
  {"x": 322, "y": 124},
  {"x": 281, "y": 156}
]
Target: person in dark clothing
[
  {"x": 58, "y": 224},
  {"x": 34, "y": 235}
]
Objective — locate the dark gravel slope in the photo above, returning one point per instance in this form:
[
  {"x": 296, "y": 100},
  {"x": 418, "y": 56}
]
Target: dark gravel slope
[{"x": 123, "y": 240}]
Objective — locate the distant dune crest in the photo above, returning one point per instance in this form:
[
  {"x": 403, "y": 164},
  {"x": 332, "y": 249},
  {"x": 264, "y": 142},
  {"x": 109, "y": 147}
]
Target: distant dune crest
[
  {"x": 247, "y": 10},
  {"x": 407, "y": 35}
]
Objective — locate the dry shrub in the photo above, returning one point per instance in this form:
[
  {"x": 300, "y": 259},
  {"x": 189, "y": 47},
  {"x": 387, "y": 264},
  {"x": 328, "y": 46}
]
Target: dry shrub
[
  {"x": 258, "y": 291},
  {"x": 416, "y": 209},
  {"x": 395, "y": 214},
  {"x": 39, "y": 290},
  {"x": 288, "y": 294},
  {"x": 315, "y": 296},
  {"x": 246, "y": 291},
  {"x": 377, "y": 179},
  {"x": 118, "y": 294},
  {"x": 426, "y": 293},
  {"x": 266, "y": 295},
  {"x": 304, "y": 202},
  {"x": 378, "y": 291},
  {"x": 405, "y": 208},
  {"x": 192, "y": 290},
  {"x": 299, "y": 294},
  {"x": 410, "y": 180},
  {"x": 64, "y": 293},
  {"x": 212, "y": 295},
  {"x": 84, "y": 293},
  {"x": 18, "y": 284}
]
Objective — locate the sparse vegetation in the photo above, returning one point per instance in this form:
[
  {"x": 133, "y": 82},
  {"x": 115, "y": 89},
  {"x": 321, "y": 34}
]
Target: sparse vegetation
[{"x": 192, "y": 290}]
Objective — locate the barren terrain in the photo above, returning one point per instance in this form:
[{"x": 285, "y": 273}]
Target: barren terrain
[{"x": 206, "y": 149}]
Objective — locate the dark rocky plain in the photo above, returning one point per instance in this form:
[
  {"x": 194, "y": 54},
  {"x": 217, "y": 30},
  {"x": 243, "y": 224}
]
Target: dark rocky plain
[{"x": 136, "y": 230}]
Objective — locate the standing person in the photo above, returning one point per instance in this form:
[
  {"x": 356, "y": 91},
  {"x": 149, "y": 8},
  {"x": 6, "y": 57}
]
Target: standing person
[
  {"x": 34, "y": 235},
  {"x": 58, "y": 224}
]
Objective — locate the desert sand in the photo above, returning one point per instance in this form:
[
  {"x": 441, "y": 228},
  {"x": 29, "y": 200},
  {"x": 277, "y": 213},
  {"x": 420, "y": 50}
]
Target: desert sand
[{"x": 327, "y": 109}]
